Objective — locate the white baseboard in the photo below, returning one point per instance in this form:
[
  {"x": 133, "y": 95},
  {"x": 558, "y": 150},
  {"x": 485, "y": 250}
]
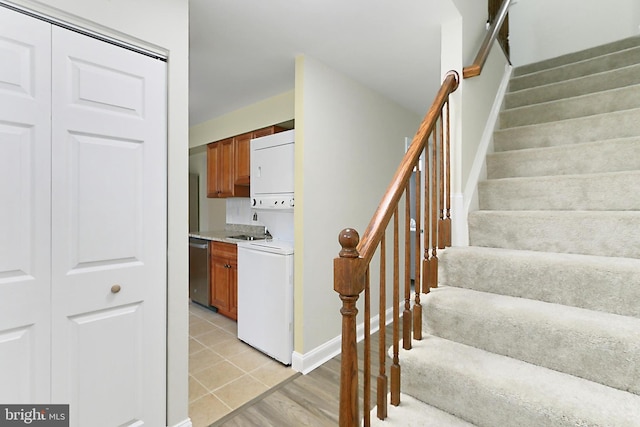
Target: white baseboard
[
  {"x": 185, "y": 423},
  {"x": 309, "y": 361},
  {"x": 459, "y": 225}
]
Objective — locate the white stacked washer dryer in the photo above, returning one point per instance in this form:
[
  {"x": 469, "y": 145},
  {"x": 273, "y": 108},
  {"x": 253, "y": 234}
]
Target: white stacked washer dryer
[{"x": 265, "y": 267}]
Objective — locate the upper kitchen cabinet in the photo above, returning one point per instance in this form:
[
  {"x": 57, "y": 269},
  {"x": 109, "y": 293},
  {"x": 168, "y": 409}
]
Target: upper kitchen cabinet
[
  {"x": 228, "y": 167},
  {"x": 242, "y": 146},
  {"x": 220, "y": 169}
]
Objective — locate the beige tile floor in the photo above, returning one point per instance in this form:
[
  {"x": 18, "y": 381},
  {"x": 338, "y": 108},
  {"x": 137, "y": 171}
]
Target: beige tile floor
[{"x": 224, "y": 372}]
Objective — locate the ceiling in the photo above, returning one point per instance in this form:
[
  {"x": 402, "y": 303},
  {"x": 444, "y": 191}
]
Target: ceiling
[{"x": 243, "y": 51}]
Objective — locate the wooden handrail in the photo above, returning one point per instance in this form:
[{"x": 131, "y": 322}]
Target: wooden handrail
[
  {"x": 475, "y": 69},
  {"x": 377, "y": 225},
  {"x": 351, "y": 267}
]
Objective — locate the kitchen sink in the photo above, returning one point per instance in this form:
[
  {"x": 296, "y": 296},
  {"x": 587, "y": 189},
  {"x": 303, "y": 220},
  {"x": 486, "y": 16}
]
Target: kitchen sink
[{"x": 246, "y": 237}]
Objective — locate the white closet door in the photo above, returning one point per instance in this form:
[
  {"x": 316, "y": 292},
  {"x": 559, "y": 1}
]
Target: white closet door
[
  {"x": 109, "y": 233},
  {"x": 25, "y": 88}
]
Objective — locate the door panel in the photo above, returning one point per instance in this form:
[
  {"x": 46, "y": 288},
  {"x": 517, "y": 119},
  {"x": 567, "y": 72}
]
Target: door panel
[
  {"x": 107, "y": 229},
  {"x": 117, "y": 328},
  {"x": 109, "y": 239},
  {"x": 25, "y": 157}
]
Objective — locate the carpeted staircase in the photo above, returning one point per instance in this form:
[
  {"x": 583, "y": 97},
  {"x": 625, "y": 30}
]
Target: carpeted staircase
[{"x": 537, "y": 323}]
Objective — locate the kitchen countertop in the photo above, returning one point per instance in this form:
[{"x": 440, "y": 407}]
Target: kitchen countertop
[{"x": 225, "y": 234}]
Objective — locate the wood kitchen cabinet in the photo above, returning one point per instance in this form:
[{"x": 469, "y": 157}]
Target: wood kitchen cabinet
[
  {"x": 224, "y": 278},
  {"x": 220, "y": 170},
  {"x": 242, "y": 146},
  {"x": 228, "y": 164}
]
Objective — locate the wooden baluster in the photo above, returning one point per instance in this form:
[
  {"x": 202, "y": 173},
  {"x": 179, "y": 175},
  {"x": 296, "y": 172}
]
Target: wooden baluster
[
  {"x": 382, "y": 334},
  {"x": 349, "y": 283},
  {"x": 406, "y": 314},
  {"x": 426, "y": 264},
  {"x": 442, "y": 238},
  {"x": 433, "y": 261},
  {"x": 366, "y": 395},
  {"x": 395, "y": 367},
  {"x": 447, "y": 221},
  {"x": 417, "y": 307}
]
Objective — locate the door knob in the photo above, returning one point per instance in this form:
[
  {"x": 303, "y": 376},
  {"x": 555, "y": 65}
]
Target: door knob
[{"x": 115, "y": 289}]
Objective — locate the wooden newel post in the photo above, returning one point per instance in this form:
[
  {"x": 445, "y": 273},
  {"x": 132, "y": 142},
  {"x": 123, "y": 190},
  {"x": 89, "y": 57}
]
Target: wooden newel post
[{"x": 349, "y": 283}]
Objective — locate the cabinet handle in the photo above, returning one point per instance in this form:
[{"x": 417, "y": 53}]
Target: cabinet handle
[
  {"x": 115, "y": 289},
  {"x": 227, "y": 266}
]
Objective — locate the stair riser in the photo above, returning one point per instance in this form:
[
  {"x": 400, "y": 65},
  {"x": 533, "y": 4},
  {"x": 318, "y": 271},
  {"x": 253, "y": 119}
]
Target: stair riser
[
  {"x": 604, "y": 284},
  {"x": 599, "y": 347},
  {"x": 578, "y": 69},
  {"x": 578, "y": 56},
  {"x": 622, "y": 124},
  {"x": 568, "y": 192},
  {"x": 491, "y": 390},
  {"x": 596, "y": 157},
  {"x": 627, "y": 76},
  {"x": 587, "y": 105},
  {"x": 590, "y": 233}
]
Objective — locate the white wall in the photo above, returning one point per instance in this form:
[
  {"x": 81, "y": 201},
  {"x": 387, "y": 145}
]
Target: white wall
[
  {"x": 471, "y": 105},
  {"x": 349, "y": 142},
  {"x": 212, "y": 211},
  {"x": 541, "y": 29},
  {"x": 162, "y": 26},
  {"x": 270, "y": 111}
]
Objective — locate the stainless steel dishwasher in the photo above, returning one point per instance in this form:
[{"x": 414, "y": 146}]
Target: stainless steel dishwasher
[{"x": 199, "y": 271}]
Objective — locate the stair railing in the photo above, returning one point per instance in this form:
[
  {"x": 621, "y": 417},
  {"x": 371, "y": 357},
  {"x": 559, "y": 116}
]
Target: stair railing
[
  {"x": 497, "y": 29},
  {"x": 352, "y": 266}
]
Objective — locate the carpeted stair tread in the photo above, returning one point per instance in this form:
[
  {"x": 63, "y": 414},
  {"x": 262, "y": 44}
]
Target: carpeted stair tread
[
  {"x": 590, "y": 157},
  {"x": 537, "y": 324},
  {"x": 614, "y": 233},
  {"x": 620, "y": 124},
  {"x": 601, "y": 191},
  {"x": 586, "y": 67},
  {"x": 601, "y": 283},
  {"x": 618, "y": 78},
  {"x": 413, "y": 413},
  {"x": 581, "y": 55},
  {"x": 493, "y": 390},
  {"x": 579, "y": 106},
  {"x": 597, "y": 346}
]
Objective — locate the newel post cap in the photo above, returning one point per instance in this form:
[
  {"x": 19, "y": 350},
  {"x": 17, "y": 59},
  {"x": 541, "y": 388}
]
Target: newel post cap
[{"x": 348, "y": 276}]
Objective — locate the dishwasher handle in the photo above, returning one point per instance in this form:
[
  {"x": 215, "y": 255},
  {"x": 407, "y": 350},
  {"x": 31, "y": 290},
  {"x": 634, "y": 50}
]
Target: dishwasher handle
[{"x": 198, "y": 244}]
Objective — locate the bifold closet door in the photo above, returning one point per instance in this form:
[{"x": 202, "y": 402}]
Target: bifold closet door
[
  {"x": 82, "y": 225},
  {"x": 25, "y": 218},
  {"x": 109, "y": 232}
]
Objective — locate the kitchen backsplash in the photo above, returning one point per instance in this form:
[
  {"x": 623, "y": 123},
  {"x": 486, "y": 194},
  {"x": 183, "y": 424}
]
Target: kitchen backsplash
[
  {"x": 239, "y": 211},
  {"x": 280, "y": 223}
]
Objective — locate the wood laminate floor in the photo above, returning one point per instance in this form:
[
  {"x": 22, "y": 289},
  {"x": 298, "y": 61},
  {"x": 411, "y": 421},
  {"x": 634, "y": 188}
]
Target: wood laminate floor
[{"x": 304, "y": 400}]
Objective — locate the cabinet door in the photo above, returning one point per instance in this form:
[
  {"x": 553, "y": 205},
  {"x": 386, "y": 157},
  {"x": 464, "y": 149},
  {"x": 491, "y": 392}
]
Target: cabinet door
[
  {"x": 220, "y": 284},
  {"x": 212, "y": 170},
  {"x": 108, "y": 185},
  {"x": 225, "y": 168},
  {"x": 242, "y": 157},
  {"x": 233, "y": 289},
  {"x": 224, "y": 278},
  {"x": 25, "y": 209}
]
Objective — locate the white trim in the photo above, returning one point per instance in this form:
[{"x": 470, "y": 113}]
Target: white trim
[
  {"x": 85, "y": 30},
  {"x": 309, "y": 361},
  {"x": 459, "y": 225},
  {"x": 478, "y": 166},
  {"x": 185, "y": 423}
]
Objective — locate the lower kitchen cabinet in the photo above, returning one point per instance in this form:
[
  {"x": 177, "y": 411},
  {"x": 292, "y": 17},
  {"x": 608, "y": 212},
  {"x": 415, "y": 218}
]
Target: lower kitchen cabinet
[{"x": 224, "y": 278}]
